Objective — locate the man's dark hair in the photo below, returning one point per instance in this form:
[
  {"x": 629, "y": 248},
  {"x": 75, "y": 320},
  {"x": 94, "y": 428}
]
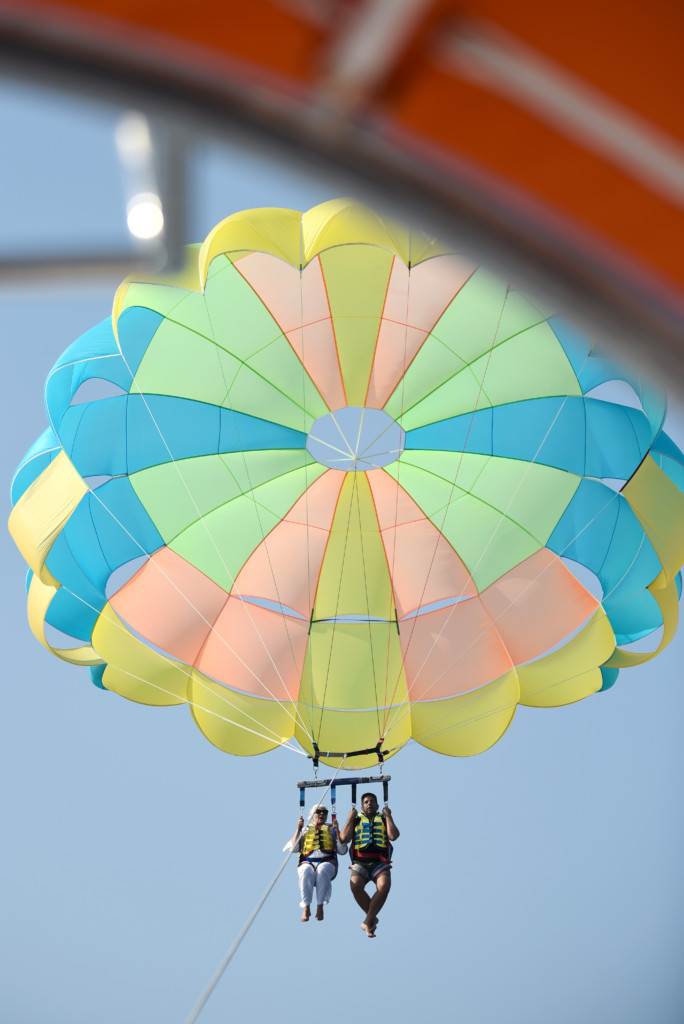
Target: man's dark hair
[{"x": 364, "y": 795}]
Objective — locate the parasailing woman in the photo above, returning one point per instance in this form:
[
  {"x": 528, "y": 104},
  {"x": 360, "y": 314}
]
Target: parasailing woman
[{"x": 319, "y": 846}]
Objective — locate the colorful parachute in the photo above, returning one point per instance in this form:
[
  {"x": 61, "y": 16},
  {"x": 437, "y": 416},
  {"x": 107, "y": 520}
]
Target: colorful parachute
[{"x": 337, "y": 484}]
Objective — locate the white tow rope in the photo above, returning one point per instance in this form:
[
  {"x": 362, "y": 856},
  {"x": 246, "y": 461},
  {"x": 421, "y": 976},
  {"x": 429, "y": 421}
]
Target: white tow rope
[{"x": 221, "y": 969}]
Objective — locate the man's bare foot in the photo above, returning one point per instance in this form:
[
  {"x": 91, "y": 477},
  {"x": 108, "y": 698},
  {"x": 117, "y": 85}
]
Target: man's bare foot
[
  {"x": 319, "y": 912},
  {"x": 369, "y": 927},
  {"x": 306, "y": 914}
]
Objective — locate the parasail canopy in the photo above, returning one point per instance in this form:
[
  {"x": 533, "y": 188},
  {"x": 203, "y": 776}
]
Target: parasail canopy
[{"x": 339, "y": 486}]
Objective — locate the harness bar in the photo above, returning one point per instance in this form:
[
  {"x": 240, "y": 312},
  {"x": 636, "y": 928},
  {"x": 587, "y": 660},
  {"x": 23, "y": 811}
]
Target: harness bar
[{"x": 355, "y": 781}]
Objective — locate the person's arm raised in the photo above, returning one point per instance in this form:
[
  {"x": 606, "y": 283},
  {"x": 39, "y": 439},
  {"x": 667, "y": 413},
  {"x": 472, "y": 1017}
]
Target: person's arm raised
[
  {"x": 392, "y": 830},
  {"x": 346, "y": 833},
  {"x": 339, "y": 845},
  {"x": 297, "y": 833}
]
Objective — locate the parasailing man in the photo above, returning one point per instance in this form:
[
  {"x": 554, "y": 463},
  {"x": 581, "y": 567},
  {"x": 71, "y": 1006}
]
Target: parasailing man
[
  {"x": 371, "y": 834},
  {"x": 319, "y": 845}
]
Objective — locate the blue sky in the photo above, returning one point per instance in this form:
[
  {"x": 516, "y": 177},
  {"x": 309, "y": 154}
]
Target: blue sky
[{"x": 540, "y": 882}]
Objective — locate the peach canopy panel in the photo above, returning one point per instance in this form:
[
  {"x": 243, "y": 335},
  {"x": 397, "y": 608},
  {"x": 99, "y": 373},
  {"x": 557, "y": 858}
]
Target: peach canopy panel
[{"x": 337, "y": 487}]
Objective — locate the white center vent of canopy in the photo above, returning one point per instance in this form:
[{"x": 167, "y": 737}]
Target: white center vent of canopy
[{"x": 355, "y": 438}]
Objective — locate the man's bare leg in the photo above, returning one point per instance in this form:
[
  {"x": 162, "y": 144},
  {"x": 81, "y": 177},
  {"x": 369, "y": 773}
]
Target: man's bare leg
[
  {"x": 377, "y": 901},
  {"x": 319, "y": 912},
  {"x": 358, "y": 888},
  {"x": 306, "y": 914}
]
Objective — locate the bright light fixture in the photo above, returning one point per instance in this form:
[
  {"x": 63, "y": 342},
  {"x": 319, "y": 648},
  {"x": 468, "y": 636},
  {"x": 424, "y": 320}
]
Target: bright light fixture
[{"x": 144, "y": 216}]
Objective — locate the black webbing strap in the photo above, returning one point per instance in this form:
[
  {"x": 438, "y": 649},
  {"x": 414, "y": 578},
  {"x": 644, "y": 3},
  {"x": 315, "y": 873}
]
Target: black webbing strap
[{"x": 377, "y": 750}]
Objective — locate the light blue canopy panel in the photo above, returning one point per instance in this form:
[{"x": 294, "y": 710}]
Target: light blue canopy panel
[
  {"x": 593, "y": 368},
  {"x": 600, "y": 531},
  {"x": 92, "y": 545},
  {"x": 584, "y": 436},
  {"x": 128, "y": 433}
]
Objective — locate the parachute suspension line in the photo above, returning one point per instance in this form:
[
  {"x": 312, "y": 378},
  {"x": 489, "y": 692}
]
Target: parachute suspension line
[
  {"x": 370, "y": 626},
  {"x": 144, "y": 551},
  {"x": 383, "y": 728},
  {"x": 448, "y": 504},
  {"x": 187, "y": 600},
  {"x": 496, "y": 618},
  {"x": 214, "y": 714},
  {"x": 310, "y": 597},
  {"x": 291, "y": 714},
  {"x": 194, "y": 1015},
  {"x": 279, "y": 741},
  {"x": 628, "y": 569},
  {"x": 502, "y": 708},
  {"x": 337, "y": 609},
  {"x": 511, "y": 604},
  {"x": 264, "y": 534}
]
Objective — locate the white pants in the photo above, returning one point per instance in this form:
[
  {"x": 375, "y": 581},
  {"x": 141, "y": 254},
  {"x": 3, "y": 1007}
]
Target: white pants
[{"x": 318, "y": 878}]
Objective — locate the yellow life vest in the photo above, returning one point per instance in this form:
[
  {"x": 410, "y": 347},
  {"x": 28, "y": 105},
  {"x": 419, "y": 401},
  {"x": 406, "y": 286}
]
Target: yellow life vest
[
  {"x": 370, "y": 838},
  {"x": 318, "y": 839}
]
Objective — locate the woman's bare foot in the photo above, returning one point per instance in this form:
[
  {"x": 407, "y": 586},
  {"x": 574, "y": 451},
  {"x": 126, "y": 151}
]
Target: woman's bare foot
[
  {"x": 319, "y": 912},
  {"x": 306, "y": 914}
]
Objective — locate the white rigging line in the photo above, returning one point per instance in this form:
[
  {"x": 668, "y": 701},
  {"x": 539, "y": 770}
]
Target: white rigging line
[
  {"x": 339, "y": 428},
  {"x": 496, "y": 618},
  {"x": 490, "y": 541},
  {"x": 406, "y": 706},
  {"x": 614, "y": 496},
  {"x": 190, "y": 604},
  {"x": 335, "y": 619},
  {"x": 382, "y": 729},
  {"x": 370, "y": 627},
  {"x": 369, "y": 463},
  {"x": 209, "y": 711},
  {"x": 446, "y": 509},
  {"x": 393, "y": 423},
  {"x": 349, "y": 454},
  {"x": 361, "y": 419},
  {"x": 182, "y": 700},
  {"x": 229, "y": 574},
  {"x": 265, "y": 534},
  {"x": 309, "y": 597},
  {"x": 159, "y": 568},
  {"x": 510, "y": 705}
]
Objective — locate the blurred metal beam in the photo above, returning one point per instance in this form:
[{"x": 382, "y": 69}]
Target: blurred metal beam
[
  {"x": 84, "y": 265},
  {"x": 365, "y": 50},
  {"x": 503, "y": 64},
  {"x": 439, "y": 194},
  {"x": 170, "y": 153}
]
